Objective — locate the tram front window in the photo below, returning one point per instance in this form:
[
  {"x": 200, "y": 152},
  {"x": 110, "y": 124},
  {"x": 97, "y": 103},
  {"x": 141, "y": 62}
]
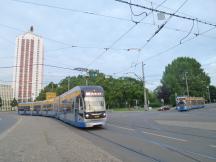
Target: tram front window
[
  {"x": 181, "y": 103},
  {"x": 93, "y": 104}
]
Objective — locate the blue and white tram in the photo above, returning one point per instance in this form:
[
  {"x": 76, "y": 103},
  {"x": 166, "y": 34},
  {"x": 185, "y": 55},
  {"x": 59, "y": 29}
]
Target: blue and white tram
[
  {"x": 82, "y": 106},
  {"x": 187, "y": 103},
  {"x": 25, "y": 108}
]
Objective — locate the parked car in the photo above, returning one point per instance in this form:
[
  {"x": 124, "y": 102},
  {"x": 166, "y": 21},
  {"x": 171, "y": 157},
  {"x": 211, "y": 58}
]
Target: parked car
[{"x": 164, "y": 108}]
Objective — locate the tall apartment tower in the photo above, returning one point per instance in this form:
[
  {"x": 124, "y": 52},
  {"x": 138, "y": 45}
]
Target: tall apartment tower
[{"x": 28, "y": 71}]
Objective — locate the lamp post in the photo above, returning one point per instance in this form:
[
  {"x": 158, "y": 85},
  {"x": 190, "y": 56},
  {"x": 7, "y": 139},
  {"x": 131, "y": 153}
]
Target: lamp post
[
  {"x": 145, "y": 104},
  {"x": 144, "y": 89}
]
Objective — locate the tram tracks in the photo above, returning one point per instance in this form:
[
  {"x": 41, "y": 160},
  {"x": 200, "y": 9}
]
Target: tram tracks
[
  {"x": 161, "y": 145},
  {"x": 174, "y": 132},
  {"x": 135, "y": 126},
  {"x": 94, "y": 135},
  {"x": 125, "y": 147}
]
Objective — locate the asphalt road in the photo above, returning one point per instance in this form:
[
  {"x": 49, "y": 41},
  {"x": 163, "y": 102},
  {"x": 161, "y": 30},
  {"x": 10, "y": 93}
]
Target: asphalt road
[
  {"x": 150, "y": 136},
  {"x": 7, "y": 120},
  {"x": 158, "y": 136}
]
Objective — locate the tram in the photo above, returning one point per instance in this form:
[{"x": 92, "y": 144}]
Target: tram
[
  {"x": 25, "y": 108},
  {"x": 184, "y": 103},
  {"x": 82, "y": 106}
]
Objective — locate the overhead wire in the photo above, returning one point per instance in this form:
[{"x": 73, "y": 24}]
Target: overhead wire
[
  {"x": 105, "y": 48},
  {"x": 89, "y": 12},
  {"x": 161, "y": 27},
  {"x": 121, "y": 36},
  {"x": 134, "y": 14},
  {"x": 85, "y": 12},
  {"x": 175, "y": 46},
  {"x": 197, "y": 24},
  {"x": 188, "y": 33},
  {"x": 67, "y": 9},
  {"x": 71, "y": 45},
  {"x": 168, "y": 49},
  {"x": 50, "y": 6},
  {"x": 48, "y": 65},
  {"x": 167, "y": 13},
  {"x": 172, "y": 47}
]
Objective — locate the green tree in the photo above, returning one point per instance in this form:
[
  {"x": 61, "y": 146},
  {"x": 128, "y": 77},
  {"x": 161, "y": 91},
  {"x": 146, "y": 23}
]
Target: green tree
[
  {"x": 153, "y": 100},
  {"x": 14, "y": 103},
  {"x": 176, "y": 73},
  {"x": 119, "y": 92},
  {"x": 163, "y": 93},
  {"x": 51, "y": 87},
  {"x": 212, "y": 90}
]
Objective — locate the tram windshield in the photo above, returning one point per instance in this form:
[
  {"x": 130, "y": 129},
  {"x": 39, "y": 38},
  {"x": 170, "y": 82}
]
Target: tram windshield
[
  {"x": 181, "y": 103},
  {"x": 94, "y": 104}
]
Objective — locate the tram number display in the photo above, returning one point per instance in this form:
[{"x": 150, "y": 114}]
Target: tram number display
[{"x": 96, "y": 116}]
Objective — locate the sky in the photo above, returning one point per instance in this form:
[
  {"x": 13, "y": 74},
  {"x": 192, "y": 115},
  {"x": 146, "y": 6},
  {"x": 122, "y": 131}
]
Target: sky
[{"x": 94, "y": 26}]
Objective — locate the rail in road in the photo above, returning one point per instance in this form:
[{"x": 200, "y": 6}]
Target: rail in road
[
  {"x": 136, "y": 137},
  {"x": 190, "y": 155}
]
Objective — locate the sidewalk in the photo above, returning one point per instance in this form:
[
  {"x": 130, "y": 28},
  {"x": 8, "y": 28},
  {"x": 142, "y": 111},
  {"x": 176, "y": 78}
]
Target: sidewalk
[{"x": 41, "y": 139}]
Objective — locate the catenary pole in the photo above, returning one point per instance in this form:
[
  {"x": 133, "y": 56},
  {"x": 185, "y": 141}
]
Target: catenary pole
[{"x": 144, "y": 89}]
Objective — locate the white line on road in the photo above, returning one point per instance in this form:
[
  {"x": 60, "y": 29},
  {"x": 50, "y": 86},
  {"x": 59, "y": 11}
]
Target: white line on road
[
  {"x": 173, "y": 138},
  {"x": 4, "y": 134},
  {"x": 122, "y": 127},
  {"x": 214, "y": 146},
  {"x": 0, "y": 119},
  {"x": 202, "y": 155}
]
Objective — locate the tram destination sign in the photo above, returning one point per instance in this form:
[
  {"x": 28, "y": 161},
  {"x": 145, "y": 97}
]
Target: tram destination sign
[{"x": 95, "y": 94}]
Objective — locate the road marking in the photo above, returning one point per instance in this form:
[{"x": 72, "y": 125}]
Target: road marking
[
  {"x": 5, "y": 133},
  {"x": 214, "y": 146},
  {"x": 203, "y": 155},
  {"x": 122, "y": 127},
  {"x": 0, "y": 119},
  {"x": 173, "y": 138}
]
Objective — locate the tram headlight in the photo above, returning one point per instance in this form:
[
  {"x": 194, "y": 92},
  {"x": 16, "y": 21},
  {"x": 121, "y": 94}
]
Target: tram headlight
[
  {"x": 87, "y": 115},
  {"x": 104, "y": 114}
]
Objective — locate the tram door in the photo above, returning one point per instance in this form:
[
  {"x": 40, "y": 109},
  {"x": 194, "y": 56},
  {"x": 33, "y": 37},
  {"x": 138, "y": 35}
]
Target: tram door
[{"x": 78, "y": 107}]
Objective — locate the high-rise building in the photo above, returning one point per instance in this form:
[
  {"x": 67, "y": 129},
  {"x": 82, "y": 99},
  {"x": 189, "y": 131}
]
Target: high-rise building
[
  {"x": 28, "y": 71},
  {"x": 6, "y": 95}
]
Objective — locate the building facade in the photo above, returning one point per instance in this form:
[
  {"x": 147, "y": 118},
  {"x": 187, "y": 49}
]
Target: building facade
[
  {"x": 6, "y": 95},
  {"x": 28, "y": 71}
]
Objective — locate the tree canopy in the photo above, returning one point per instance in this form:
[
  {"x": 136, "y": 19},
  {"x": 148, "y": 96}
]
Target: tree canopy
[
  {"x": 128, "y": 92},
  {"x": 182, "y": 68},
  {"x": 212, "y": 91},
  {"x": 13, "y": 103},
  {"x": 119, "y": 92}
]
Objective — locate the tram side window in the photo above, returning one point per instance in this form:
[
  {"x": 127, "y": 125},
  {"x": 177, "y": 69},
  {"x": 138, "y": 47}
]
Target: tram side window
[
  {"x": 81, "y": 103},
  {"x": 77, "y": 102},
  {"x": 72, "y": 104}
]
